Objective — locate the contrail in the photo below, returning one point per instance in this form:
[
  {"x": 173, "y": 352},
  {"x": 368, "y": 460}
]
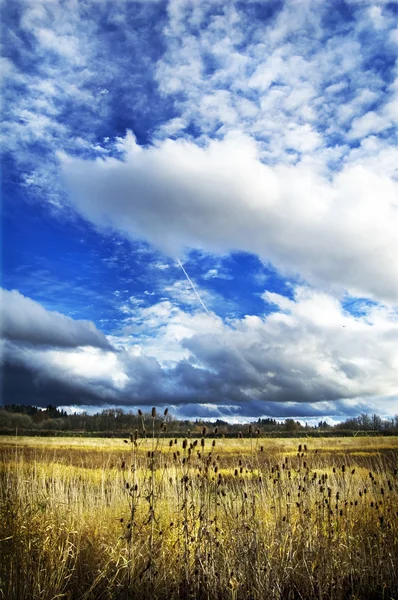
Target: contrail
[{"x": 192, "y": 286}]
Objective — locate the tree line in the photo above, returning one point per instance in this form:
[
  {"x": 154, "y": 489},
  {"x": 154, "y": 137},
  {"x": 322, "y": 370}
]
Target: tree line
[{"x": 115, "y": 421}]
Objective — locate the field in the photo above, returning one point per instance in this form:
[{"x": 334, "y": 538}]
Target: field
[{"x": 204, "y": 518}]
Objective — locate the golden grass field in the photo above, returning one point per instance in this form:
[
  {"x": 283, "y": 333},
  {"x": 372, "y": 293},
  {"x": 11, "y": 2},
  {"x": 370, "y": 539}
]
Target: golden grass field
[{"x": 204, "y": 518}]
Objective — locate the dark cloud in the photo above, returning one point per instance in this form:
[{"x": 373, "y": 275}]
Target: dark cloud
[
  {"x": 281, "y": 365},
  {"x": 264, "y": 370},
  {"x": 25, "y": 320},
  {"x": 29, "y": 378},
  {"x": 22, "y": 384}
]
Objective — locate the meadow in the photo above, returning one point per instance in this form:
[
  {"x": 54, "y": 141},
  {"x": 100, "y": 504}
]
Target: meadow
[{"x": 198, "y": 517}]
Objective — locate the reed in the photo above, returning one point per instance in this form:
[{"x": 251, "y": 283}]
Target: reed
[{"x": 204, "y": 518}]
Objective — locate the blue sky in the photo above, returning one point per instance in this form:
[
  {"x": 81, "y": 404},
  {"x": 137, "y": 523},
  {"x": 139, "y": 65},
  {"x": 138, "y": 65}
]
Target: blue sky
[{"x": 254, "y": 142}]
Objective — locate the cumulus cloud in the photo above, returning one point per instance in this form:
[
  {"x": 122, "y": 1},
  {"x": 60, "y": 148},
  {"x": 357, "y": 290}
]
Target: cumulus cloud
[
  {"x": 335, "y": 230},
  {"x": 27, "y": 321},
  {"x": 310, "y": 357}
]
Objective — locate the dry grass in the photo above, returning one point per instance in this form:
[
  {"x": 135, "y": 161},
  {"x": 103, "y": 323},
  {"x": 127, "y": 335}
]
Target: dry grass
[{"x": 244, "y": 519}]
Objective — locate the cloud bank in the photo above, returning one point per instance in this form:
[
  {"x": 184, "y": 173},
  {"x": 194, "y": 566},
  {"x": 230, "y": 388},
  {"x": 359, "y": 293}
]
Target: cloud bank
[
  {"x": 308, "y": 357},
  {"x": 24, "y": 320}
]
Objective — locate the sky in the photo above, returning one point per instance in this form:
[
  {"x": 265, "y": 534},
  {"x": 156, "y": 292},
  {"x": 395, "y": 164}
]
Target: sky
[{"x": 200, "y": 206}]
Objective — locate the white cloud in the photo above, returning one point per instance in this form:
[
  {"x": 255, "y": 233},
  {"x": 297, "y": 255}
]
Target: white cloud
[
  {"x": 335, "y": 230},
  {"x": 216, "y": 273}
]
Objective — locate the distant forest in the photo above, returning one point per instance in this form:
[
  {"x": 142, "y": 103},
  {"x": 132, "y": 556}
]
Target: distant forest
[{"x": 30, "y": 420}]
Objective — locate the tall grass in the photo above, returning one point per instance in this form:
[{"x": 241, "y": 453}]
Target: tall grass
[{"x": 203, "y": 518}]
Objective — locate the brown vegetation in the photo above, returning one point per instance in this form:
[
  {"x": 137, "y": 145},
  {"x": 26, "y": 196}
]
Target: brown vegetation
[{"x": 199, "y": 517}]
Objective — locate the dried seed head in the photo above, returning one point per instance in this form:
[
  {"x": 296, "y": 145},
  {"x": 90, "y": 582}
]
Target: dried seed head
[
  {"x": 166, "y": 411},
  {"x": 153, "y": 412},
  {"x": 140, "y": 412}
]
